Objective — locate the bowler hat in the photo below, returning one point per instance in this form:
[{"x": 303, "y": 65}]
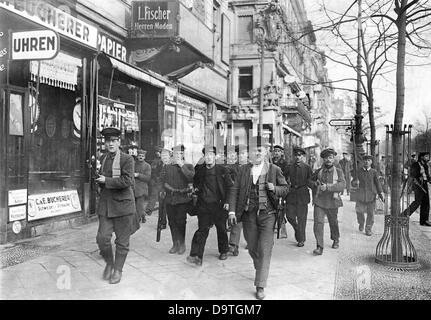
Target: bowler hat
[
  {"x": 111, "y": 132},
  {"x": 278, "y": 147},
  {"x": 298, "y": 150},
  {"x": 326, "y": 152}
]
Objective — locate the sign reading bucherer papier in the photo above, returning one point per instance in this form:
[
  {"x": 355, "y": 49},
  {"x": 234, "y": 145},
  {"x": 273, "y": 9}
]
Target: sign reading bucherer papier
[{"x": 47, "y": 205}]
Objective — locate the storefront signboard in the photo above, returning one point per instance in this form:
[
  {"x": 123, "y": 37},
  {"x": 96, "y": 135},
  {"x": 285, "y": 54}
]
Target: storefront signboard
[
  {"x": 152, "y": 19},
  {"x": 34, "y": 45},
  {"x": 55, "y": 19},
  {"x": 47, "y": 205},
  {"x": 112, "y": 114},
  {"x": 17, "y": 213},
  {"x": 16, "y": 197},
  {"x": 110, "y": 46}
]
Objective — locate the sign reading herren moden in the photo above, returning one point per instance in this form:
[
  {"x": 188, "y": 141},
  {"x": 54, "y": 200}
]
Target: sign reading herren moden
[{"x": 156, "y": 19}]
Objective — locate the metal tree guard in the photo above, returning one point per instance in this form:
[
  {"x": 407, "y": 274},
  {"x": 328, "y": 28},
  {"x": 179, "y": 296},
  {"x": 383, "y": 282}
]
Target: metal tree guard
[{"x": 395, "y": 248}]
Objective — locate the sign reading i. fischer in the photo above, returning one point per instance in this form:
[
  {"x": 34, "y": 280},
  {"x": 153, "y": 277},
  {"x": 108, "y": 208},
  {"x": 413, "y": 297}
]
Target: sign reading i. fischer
[{"x": 154, "y": 19}]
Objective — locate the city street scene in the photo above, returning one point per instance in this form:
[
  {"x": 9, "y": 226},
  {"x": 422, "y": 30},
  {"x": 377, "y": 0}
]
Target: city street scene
[{"x": 231, "y": 151}]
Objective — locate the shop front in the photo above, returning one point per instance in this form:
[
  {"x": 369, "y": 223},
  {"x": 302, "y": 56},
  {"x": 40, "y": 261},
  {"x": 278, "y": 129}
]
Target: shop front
[{"x": 44, "y": 103}]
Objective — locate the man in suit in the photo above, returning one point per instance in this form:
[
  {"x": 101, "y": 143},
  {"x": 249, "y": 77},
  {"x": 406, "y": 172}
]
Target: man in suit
[
  {"x": 251, "y": 201},
  {"x": 328, "y": 182},
  {"x": 421, "y": 177},
  {"x": 142, "y": 178},
  {"x": 211, "y": 182},
  {"x": 369, "y": 187},
  {"x": 177, "y": 182},
  {"x": 346, "y": 166},
  {"x": 116, "y": 204},
  {"x": 298, "y": 174},
  {"x": 235, "y": 232}
]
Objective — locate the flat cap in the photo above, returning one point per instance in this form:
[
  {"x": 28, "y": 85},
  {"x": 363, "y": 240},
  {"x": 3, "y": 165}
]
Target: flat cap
[
  {"x": 111, "y": 132},
  {"x": 297, "y": 149},
  {"x": 326, "y": 152},
  {"x": 367, "y": 157},
  {"x": 278, "y": 147},
  {"x": 209, "y": 149}
]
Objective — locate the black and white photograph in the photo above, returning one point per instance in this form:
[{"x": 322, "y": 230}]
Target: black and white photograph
[{"x": 215, "y": 155}]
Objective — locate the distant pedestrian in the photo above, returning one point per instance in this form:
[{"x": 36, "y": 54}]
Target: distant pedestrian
[
  {"x": 116, "y": 207},
  {"x": 346, "y": 166},
  {"x": 369, "y": 187},
  {"x": 142, "y": 178},
  {"x": 256, "y": 186},
  {"x": 298, "y": 174},
  {"x": 278, "y": 160},
  {"x": 235, "y": 231},
  {"x": 177, "y": 182},
  {"x": 155, "y": 185},
  {"x": 212, "y": 183},
  {"x": 328, "y": 183},
  {"x": 421, "y": 177}
]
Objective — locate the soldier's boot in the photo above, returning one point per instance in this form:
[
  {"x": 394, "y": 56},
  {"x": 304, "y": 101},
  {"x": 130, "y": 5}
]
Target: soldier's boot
[
  {"x": 120, "y": 259},
  {"x": 181, "y": 247},
  {"x": 175, "y": 247},
  {"x": 109, "y": 259}
]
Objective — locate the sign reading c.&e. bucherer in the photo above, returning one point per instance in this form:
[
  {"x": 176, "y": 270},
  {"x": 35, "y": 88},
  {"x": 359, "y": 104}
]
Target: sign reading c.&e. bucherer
[
  {"x": 33, "y": 45},
  {"x": 154, "y": 18}
]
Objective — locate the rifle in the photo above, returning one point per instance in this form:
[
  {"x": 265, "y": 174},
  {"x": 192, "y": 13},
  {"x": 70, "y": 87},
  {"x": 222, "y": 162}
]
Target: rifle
[
  {"x": 280, "y": 216},
  {"x": 161, "y": 221}
]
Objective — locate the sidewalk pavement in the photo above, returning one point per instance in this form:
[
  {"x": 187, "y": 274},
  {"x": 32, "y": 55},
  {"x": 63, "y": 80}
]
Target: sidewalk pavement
[{"x": 67, "y": 265}]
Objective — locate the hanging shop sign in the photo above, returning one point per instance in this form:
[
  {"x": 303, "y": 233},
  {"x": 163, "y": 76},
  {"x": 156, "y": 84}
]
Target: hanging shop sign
[
  {"x": 62, "y": 71},
  {"x": 112, "y": 47},
  {"x": 55, "y": 19},
  {"x": 34, "y": 45},
  {"x": 17, "y": 213},
  {"x": 47, "y": 205},
  {"x": 16, "y": 197},
  {"x": 114, "y": 114},
  {"x": 154, "y": 19}
]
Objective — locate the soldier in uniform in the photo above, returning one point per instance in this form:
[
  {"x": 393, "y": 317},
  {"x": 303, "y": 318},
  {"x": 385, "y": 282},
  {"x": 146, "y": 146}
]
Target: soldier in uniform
[
  {"x": 369, "y": 187},
  {"x": 142, "y": 178},
  {"x": 250, "y": 201},
  {"x": 211, "y": 182},
  {"x": 116, "y": 206},
  {"x": 299, "y": 175},
  {"x": 177, "y": 182},
  {"x": 328, "y": 183}
]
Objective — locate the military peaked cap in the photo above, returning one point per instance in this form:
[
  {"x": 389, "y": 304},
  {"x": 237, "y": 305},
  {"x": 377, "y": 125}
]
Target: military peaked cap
[
  {"x": 111, "y": 132},
  {"x": 299, "y": 149},
  {"x": 326, "y": 152}
]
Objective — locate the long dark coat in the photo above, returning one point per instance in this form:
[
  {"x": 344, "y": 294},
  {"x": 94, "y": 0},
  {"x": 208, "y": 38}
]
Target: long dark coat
[
  {"x": 299, "y": 177},
  {"x": 369, "y": 185},
  {"x": 223, "y": 177},
  {"x": 240, "y": 191},
  {"x": 142, "y": 180},
  {"x": 116, "y": 196}
]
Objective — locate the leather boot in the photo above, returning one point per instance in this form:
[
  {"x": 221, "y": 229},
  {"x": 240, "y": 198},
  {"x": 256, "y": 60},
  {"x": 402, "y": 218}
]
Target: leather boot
[
  {"x": 116, "y": 277},
  {"x": 318, "y": 251},
  {"x": 174, "y": 248},
  {"x": 109, "y": 259},
  {"x": 260, "y": 294},
  {"x": 181, "y": 248},
  {"x": 120, "y": 259}
]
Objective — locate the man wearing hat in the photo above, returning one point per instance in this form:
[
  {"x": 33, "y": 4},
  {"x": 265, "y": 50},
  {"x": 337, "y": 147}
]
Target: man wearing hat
[
  {"x": 278, "y": 160},
  {"x": 328, "y": 183},
  {"x": 116, "y": 206},
  {"x": 142, "y": 178},
  {"x": 346, "y": 166},
  {"x": 154, "y": 186},
  {"x": 298, "y": 174},
  {"x": 369, "y": 187},
  {"x": 251, "y": 201},
  {"x": 177, "y": 182},
  {"x": 212, "y": 183},
  {"x": 421, "y": 177},
  {"x": 235, "y": 232}
]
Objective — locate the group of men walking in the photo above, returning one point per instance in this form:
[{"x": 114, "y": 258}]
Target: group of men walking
[{"x": 245, "y": 193}]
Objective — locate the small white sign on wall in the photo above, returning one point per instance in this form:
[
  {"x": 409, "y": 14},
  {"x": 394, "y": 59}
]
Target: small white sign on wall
[
  {"x": 16, "y": 197},
  {"x": 17, "y": 213}
]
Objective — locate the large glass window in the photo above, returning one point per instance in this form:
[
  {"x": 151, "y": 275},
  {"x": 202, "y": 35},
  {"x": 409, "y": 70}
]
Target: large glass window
[{"x": 245, "y": 81}]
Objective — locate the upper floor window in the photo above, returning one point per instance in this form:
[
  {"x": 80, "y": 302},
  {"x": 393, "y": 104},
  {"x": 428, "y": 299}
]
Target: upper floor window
[
  {"x": 245, "y": 29},
  {"x": 245, "y": 81},
  {"x": 216, "y": 15}
]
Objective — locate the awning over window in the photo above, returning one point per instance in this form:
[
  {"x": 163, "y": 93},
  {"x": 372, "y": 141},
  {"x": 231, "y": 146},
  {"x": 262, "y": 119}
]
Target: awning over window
[
  {"x": 296, "y": 133},
  {"x": 135, "y": 73}
]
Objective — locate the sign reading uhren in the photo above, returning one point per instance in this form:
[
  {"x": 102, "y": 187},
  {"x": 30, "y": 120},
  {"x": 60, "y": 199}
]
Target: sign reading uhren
[{"x": 34, "y": 45}]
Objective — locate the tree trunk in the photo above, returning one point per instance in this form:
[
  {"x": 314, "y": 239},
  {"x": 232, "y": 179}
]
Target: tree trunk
[
  {"x": 397, "y": 137},
  {"x": 372, "y": 121}
]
